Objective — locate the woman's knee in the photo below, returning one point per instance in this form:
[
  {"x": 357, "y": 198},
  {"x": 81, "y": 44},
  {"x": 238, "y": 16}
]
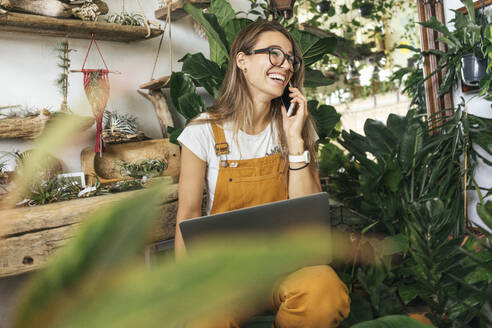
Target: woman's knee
[{"x": 312, "y": 297}]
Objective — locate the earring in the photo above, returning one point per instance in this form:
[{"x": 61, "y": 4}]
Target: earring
[{"x": 245, "y": 70}]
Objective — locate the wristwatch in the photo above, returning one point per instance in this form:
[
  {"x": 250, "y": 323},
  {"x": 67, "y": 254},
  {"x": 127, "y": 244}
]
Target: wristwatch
[{"x": 303, "y": 158}]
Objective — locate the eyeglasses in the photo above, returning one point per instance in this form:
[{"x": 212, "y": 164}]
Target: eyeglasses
[{"x": 277, "y": 57}]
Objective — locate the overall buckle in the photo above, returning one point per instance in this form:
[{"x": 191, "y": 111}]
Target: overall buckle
[{"x": 221, "y": 148}]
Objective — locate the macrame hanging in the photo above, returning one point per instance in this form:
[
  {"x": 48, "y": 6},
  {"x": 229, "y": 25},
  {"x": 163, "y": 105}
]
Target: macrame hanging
[{"x": 96, "y": 86}]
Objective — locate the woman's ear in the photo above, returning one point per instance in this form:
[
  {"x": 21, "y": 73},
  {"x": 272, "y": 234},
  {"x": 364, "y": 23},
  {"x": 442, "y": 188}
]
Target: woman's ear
[{"x": 241, "y": 60}]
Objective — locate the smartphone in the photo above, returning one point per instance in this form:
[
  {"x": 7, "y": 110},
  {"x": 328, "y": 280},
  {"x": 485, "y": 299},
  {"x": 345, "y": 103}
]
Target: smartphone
[{"x": 290, "y": 107}]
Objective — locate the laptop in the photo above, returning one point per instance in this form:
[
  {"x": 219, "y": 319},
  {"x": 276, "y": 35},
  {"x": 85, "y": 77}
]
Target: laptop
[{"x": 277, "y": 216}]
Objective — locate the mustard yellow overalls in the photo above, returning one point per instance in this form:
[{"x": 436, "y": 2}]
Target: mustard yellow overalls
[{"x": 301, "y": 300}]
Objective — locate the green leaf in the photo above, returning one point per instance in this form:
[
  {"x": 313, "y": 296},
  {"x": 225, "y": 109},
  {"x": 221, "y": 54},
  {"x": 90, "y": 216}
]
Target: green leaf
[
  {"x": 392, "y": 321},
  {"x": 180, "y": 84},
  {"x": 223, "y": 11},
  {"x": 393, "y": 176},
  {"x": 360, "y": 310},
  {"x": 173, "y": 134},
  {"x": 198, "y": 67},
  {"x": 233, "y": 27},
  {"x": 190, "y": 105},
  {"x": 313, "y": 47},
  {"x": 380, "y": 138},
  {"x": 435, "y": 207},
  {"x": 434, "y": 24},
  {"x": 396, "y": 124},
  {"x": 411, "y": 144},
  {"x": 325, "y": 116},
  {"x": 470, "y": 9},
  {"x": 407, "y": 293},
  {"x": 314, "y": 79},
  {"x": 317, "y": 51},
  {"x": 207, "y": 73},
  {"x": 219, "y": 50}
]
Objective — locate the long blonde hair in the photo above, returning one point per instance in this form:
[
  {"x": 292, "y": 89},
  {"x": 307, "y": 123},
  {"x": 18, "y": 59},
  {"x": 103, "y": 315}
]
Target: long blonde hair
[{"x": 234, "y": 103}]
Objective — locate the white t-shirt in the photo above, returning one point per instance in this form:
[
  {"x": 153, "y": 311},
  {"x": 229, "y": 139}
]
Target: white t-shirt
[{"x": 199, "y": 138}]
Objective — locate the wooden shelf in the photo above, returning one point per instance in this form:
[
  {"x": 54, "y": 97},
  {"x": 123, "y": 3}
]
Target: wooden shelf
[
  {"x": 177, "y": 10},
  {"x": 30, "y": 235},
  {"x": 31, "y": 127},
  {"x": 156, "y": 83},
  {"x": 72, "y": 28}
]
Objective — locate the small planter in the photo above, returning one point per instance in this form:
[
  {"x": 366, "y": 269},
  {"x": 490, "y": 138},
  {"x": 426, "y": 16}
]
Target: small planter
[
  {"x": 473, "y": 69},
  {"x": 365, "y": 9},
  {"x": 106, "y": 169},
  {"x": 324, "y": 6}
]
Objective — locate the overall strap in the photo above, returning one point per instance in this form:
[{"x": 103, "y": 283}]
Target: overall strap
[{"x": 221, "y": 146}]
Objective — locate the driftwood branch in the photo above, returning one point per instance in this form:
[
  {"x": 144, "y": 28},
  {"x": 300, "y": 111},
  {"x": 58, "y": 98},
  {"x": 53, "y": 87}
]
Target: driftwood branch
[
  {"x": 52, "y": 8},
  {"x": 157, "y": 98}
]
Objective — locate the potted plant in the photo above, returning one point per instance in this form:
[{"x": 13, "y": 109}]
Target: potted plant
[{"x": 467, "y": 53}]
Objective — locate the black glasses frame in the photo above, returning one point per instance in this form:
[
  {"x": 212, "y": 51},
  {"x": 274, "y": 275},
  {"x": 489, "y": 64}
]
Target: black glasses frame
[{"x": 295, "y": 64}]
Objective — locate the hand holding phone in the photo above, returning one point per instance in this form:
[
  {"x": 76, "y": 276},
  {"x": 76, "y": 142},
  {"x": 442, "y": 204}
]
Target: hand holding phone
[{"x": 286, "y": 101}]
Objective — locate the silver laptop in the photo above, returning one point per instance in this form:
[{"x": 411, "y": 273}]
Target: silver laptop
[{"x": 277, "y": 216}]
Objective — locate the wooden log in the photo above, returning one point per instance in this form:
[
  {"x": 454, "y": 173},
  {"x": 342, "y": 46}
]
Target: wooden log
[
  {"x": 177, "y": 10},
  {"x": 51, "y": 8},
  {"x": 157, "y": 98},
  {"x": 73, "y": 28},
  {"x": 30, "y": 235},
  {"x": 107, "y": 170},
  {"x": 24, "y": 127}
]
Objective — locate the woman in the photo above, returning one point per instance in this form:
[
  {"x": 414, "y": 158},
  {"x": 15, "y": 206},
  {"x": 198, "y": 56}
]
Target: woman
[{"x": 250, "y": 152}]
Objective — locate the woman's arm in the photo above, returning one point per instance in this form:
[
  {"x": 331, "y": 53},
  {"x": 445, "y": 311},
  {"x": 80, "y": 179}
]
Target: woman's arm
[
  {"x": 190, "y": 194},
  {"x": 304, "y": 181}
]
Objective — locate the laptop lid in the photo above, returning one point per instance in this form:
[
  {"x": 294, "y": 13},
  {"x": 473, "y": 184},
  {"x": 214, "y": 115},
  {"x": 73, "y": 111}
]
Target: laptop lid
[{"x": 277, "y": 216}]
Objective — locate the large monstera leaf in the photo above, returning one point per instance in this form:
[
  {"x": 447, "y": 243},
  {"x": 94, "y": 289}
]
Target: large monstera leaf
[{"x": 205, "y": 72}]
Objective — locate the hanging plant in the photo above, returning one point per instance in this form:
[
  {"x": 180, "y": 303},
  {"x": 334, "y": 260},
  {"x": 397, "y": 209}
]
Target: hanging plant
[
  {"x": 365, "y": 9},
  {"x": 123, "y": 123},
  {"x": 125, "y": 18},
  {"x": 473, "y": 69},
  {"x": 324, "y": 6}
]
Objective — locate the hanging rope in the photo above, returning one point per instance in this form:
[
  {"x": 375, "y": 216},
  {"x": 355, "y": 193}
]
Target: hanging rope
[
  {"x": 168, "y": 18},
  {"x": 145, "y": 19},
  {"x": 166, "y": 23}
]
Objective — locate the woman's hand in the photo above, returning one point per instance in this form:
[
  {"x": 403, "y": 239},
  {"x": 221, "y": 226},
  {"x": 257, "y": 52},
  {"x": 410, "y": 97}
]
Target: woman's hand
[{"x": 294, "y": 124}]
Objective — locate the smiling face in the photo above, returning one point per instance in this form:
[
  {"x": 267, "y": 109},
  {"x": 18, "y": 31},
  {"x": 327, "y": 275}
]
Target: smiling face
[{"x": 263, "y": 79}]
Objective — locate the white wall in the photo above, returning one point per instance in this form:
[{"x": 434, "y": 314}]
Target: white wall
[
  {"x": 479, "y": 107},
  {"x": 28, "y": 70}
]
